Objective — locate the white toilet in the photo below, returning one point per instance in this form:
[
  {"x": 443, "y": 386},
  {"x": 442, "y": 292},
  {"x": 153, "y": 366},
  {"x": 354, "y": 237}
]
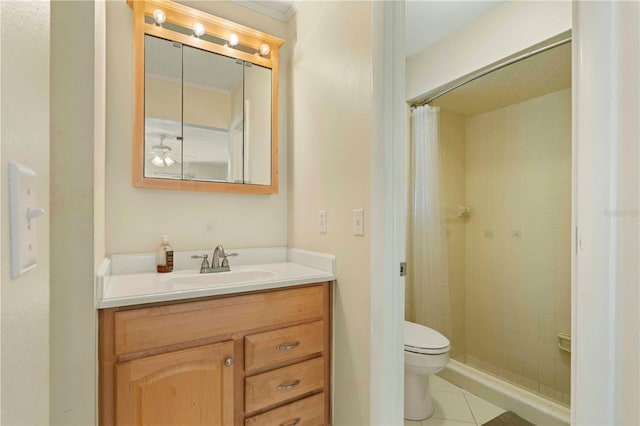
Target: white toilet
[{"x": 425, "y": 352}]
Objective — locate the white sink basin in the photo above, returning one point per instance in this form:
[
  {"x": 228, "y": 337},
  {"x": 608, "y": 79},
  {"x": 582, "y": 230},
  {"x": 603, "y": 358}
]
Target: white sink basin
[{"x": 222, "y": 278}]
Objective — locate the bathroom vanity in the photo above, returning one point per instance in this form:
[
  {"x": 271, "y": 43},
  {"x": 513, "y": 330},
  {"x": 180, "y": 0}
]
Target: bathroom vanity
[{"x": 256, "y": 351}]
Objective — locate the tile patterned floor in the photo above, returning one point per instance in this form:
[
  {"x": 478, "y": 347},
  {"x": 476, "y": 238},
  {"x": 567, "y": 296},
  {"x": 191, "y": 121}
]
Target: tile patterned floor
[{"x": 454, "y": 406}]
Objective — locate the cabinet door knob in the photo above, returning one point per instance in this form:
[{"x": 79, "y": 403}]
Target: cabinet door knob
[{"x": 228, "y": 362}]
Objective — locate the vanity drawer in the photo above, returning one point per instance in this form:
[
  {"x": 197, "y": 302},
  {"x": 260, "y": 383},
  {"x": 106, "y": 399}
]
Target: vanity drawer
[
  {"x": 147, "y": 328},
  {"x": 306, "y": 412},
  {"x": 273, "y": 347},
  {"x": 283, "y": 384}
]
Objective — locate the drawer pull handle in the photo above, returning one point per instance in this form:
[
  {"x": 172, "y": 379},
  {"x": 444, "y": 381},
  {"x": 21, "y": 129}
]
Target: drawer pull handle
[
  {"x": 292, "y": 423},
  {"x": 287, "y": 346},
  {"x": 228, "y": 362},
  {"x": 288, "y": 385}
]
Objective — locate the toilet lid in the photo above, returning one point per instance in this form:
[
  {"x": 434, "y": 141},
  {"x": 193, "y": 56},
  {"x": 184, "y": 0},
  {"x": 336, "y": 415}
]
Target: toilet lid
[{"x": 421, "y": 339}]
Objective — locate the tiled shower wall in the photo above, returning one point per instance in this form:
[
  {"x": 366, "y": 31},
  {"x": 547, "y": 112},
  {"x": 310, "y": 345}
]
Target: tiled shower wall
[
  {"x": 452, "y": 190},
  {"x": 516, "y": 166}
]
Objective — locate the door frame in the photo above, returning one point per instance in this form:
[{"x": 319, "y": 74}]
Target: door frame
[{"x": 388, "y": 213}]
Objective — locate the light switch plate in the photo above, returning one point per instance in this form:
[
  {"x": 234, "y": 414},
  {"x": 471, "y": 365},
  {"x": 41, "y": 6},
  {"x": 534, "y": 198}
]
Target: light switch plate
[
  {"x": 322, "y": 221},
  {"x": 23, "y": 211},
  {"x": 358, "y": 222}
]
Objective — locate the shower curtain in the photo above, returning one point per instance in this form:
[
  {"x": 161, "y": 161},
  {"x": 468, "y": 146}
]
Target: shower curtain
[{"x": 429, "y": 294}]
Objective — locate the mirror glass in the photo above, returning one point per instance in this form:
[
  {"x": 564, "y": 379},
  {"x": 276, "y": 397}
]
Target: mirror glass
[
  {"x": 212, "y": 124},
  {"x": 207, "y": 116},
  {"x": 257, "y": 118},
  {"x": 163, "y": 109}
]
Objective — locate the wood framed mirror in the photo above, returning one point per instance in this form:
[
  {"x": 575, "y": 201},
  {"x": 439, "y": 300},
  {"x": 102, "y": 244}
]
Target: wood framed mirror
[{"x": 206, "y": 102}]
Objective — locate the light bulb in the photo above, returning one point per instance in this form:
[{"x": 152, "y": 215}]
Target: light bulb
[
  {"x": 168, "y": 161},
  {"x": 198, "y": 29},
  {"x": 264, "y": 49},
  {"x": 233, "y": 39},
  {"x": 157, "y": 161},
  {"x": 159, "y": 16}
]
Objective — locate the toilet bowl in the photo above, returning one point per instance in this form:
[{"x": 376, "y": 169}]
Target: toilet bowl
[{"x": 425, "y": 352}]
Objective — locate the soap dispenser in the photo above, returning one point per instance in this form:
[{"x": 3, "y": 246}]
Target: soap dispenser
[{"x": 164, "y": 256}]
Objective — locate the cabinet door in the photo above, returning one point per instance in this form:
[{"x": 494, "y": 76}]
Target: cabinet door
[{"x": 187, "y": 387}]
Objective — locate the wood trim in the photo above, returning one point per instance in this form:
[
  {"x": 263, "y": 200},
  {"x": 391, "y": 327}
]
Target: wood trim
[
  {"x": 328, "y": 351},
  {"x": 191, "y": 185},
  {"x": 218, "y": 27},
  {"x": 239, "y": 382},
  {"x": 106, "y": 374},
  {"x": 275, "y": 85},
  {"x": 184, "y": 16},
  {"x": 138, "y": 90}
]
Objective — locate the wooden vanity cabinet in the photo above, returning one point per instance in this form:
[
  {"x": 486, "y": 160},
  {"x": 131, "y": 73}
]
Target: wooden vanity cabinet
[{"x": 260, "y": 358}]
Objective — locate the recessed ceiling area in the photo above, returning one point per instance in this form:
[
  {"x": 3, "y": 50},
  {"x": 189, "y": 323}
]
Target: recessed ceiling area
[{"x": 538, "y": 75}]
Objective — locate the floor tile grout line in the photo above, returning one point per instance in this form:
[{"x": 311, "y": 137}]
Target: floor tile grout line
[
  {"x": 459, "y": 392},
  {"x": 453, "y": 420},
  {"x": 470, "y": 409}
]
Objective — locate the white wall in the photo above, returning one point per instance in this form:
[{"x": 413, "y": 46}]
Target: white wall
[
  {"x": 1, "y": 212},
  {"x": 330, "y": 168},
  {"x": 606, "y": 275},
  {"x": 137, "y": 216},
  {"x": 25, "y": 140},
  {"x": 387, "y": 221},
  {"x": 77, "y": 224},
  {"x": 509, "y": 28}
]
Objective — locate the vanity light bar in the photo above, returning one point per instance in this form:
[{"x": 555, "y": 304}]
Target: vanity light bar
[
  {"x": 168, "y": 11},
  {"x": 199, "y": 30}
]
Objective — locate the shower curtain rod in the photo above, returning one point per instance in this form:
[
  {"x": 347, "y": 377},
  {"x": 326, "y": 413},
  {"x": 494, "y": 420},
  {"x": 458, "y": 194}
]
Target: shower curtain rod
[{"x": 492, "y": 69}]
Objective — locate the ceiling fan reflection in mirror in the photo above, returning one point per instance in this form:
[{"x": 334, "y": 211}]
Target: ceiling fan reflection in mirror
[{"x": 160, "y": 154}]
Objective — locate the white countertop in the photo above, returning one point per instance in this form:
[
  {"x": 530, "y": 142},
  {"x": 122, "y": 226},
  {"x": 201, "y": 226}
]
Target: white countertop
[{"x": 130, "y": 279}]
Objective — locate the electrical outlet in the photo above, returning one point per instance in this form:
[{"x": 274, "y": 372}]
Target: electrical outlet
[
  {"x": 358, "y": 222},
  {"x": 322, "y": 221}
]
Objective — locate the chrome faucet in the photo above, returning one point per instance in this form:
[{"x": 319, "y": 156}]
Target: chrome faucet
[
  {"x": 219, "y": 263},
  {"x": 217, "y": 254}
]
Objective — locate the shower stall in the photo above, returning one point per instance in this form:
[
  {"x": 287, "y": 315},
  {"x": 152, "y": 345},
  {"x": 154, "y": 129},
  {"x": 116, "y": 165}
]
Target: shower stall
[{"x": 503, "y": 163}]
